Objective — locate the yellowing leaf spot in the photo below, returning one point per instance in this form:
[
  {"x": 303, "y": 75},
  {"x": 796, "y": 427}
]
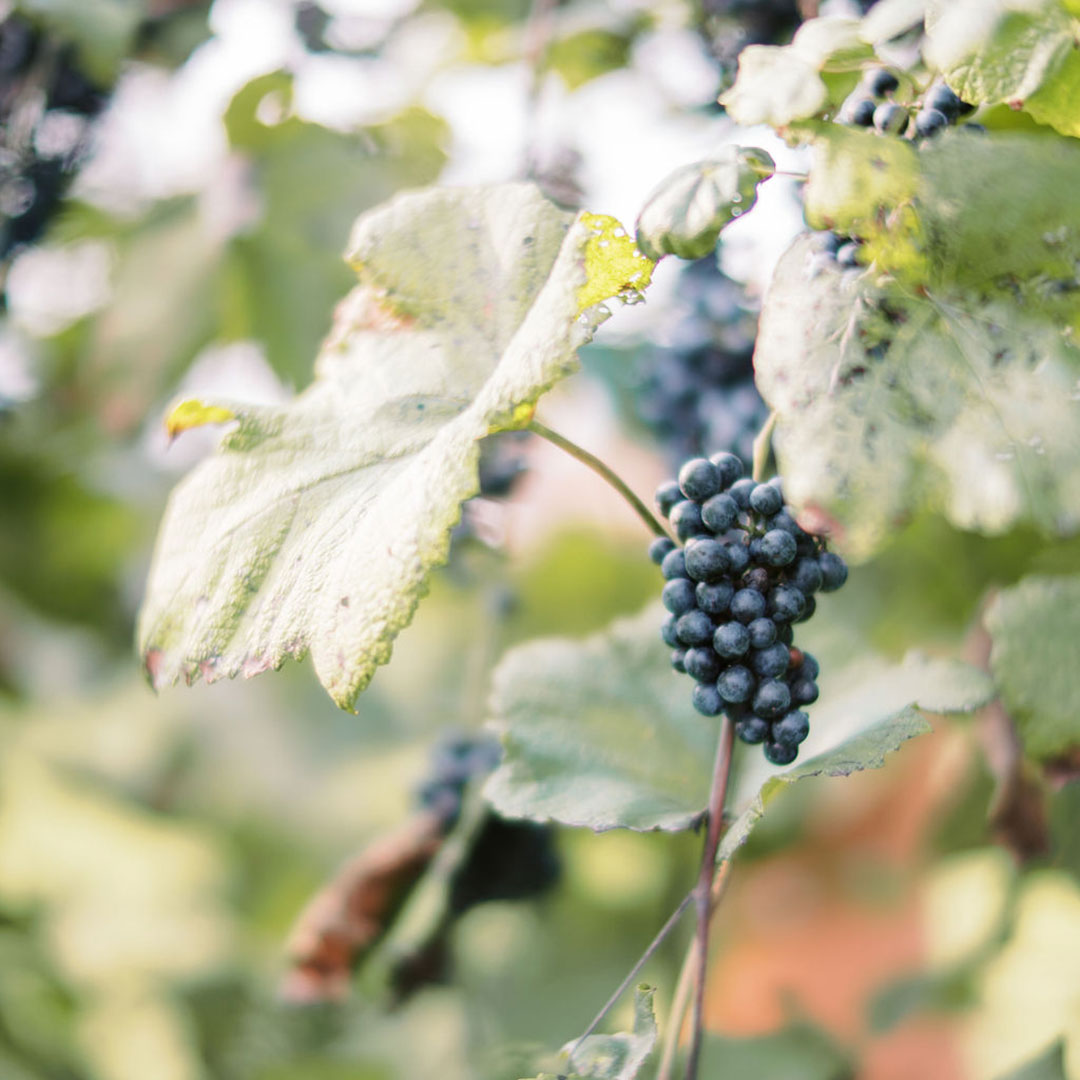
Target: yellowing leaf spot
[
  {"x": 613, "y": 264},
  {"x": 191, "y": 414}
]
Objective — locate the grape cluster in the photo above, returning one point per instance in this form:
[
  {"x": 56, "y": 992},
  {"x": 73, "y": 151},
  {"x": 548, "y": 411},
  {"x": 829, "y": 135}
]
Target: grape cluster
[
  {"x": 743, "y": 575},
  {"x": 697, "y": 394}
]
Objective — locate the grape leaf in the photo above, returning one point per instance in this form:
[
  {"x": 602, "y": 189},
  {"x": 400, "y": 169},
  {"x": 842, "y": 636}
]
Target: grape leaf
[
  {"x": 600, "y": 733},
  {"x": 686, "y": 212},
  {"x": 889, "y": 402},
  {"x": 867, "y": 710},
  {"x": 315, "y": 525},
  {"x": 1035, "y": 626},
  {"x": 997, "y": 51},
  {"x": 612, "y": 1057}
]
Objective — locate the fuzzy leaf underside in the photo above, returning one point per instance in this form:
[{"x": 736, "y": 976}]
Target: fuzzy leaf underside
[
  {"x": 314, "y": 526},
  {"x": 1035, "y": 626},
  {"x": 600, "y": 733},
  {"x": 999, "y": 51},
  {"x": 889, "y": 402}
]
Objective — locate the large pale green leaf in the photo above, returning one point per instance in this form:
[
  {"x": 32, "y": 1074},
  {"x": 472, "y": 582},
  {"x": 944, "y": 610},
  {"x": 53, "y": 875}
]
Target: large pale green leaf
[
  {"x": 612, "y": 1057},
  {"x": 315, "y": 525},
  {"x": 867, "y": 710},
  {"x": 890, "y": 402},
  {"x": 1035, "y": 626},
  {"x": 685, "y": 214},
  {"x": 1004, "y": 51},
  {"x": 600, "y": 733}
]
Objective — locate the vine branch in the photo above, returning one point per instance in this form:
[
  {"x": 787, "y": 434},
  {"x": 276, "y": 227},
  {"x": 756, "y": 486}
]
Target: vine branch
[{"x": 601, "y": 470}]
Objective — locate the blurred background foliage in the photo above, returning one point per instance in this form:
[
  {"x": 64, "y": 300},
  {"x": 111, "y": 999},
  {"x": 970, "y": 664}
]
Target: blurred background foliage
[{"x": 177, "y": 180}]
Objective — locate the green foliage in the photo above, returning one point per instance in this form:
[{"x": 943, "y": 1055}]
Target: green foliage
[
  {"x": 1049, "y": 1066},
  {"x": 469, "y": 308},
  {"x": 685, "y": 214},
  {"x": 588, "y": 54},
  {"x": 103, "y": 30},
  {"x": 994, "y": 51},
  {"x": 889, "y": 402},
  {"x": 1035, "y": 626},
  {"x": 800, "y": 1052}
]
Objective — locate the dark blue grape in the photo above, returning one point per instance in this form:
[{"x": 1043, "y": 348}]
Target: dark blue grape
[
  {"x": 747, "y": 605},
  {"x": 833, "y": 571},
  {"x": 674, "y": 564},
  {"x": 678, "y": 661},
  {"x": 778, "y": 547},
  {"x": 731, "y": 640},
  {"x": 804, "y": 691},
  {"x": 703, "y": 664},
  {"x": 699, "y": 479},
  {"x": 706, "y": 699},
  {"x": 806, "y": 576},
  {"x": 714, "y": 598},
  {"x": 686, "y": 517},
  {"x": 848, "y": 255},
  {"x": 786, "y": 603},
  {"x": 785, "y": 521},
  {"x": 754, "y": 549},
  {"x": 752, "y": 729},
  {"x": 678, "y": 596},
  {"x": 861, "y": 113},
  {"x": 667, "y": 632},
  {"x": 942, "y": 99},
  {"x": 930, "y": 121},
  {"x": 740, "y": 492},
  {"x": 784, "y": 633},
  {"x": 706, "y": 560},
  {"x": 809, "y": 666},
  {"x": 881, "y": 82},
  {"x": 719, "y": 513},
  {"x": 778, "y": 754},
  {"x": 766, "y": 500},
  {"x": 890, "y": 119},
  {"x": 770, "y": 661},
  {"x": 809, "y": 607},
  {"x": 661, "y": 547},
  {"x": 738, "y": 556},
  {"x": 736, "y": 685},
  {"x": 772, "y": 698},
  {"x": 728, "y": 466},
  {"x": 667, "y": 495},
  {"x": 792, "y": 730},
  {"x": 762, "y": 633},
  {"x": 757, "y": 577},
  {"x": 694, "y": 628}
]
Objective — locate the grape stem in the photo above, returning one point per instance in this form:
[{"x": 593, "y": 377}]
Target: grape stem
[
  {"x": 646, "y": 956},
  {"x": 703, "y": 893},
  {"x": 763, "y": 446},
  {"x": 602, "y": 471}
]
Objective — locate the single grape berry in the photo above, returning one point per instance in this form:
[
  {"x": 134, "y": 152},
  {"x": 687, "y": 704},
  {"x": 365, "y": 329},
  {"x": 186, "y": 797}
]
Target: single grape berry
[
  {"x": 766, "y": 500},
  {"x": 674, "y": 565},
  {"x": 731, "y": 640},
  {"x": 762, "y": 633},
  {"x": 740, "y": 492},
  {"x": 944, "y": 101},
  {"x": 777, "y": 754},
  {"x": 706, "y": 560},
  {"x": 809, "y": 607},
  {"x": 752, "y": 729},
  {"x": 806, "y": 576},
  {"x": 699, "y": 479},
  {"x": 881, "y": 82},
  {"x": 736, "y": 685},
  {"x": 667, "y": 632},
  {"x": 694, "y": 628},
  {"x": 804, "y": 691},
  {"x": 772, "y": 698},
  {"x": 809, "y": 666},
  {"x": 729, "y": 467},
  {"x": 719, "y": 512},
  {"x": 930, "y": 121},
  {"x": 756, "y": 578},
  {"x": 786, "y": 603},
  {"x": 667, "y": 495},
  {"x": 770, "y": 661},
  {"x": 678, "y": 660},
  {"x": 792, "y": 729},
  {"x": 686, "y": 518},
  {"x": 747, "y": 605},
  {"x": 660, "y": 548},
  {"x": 890, "y": 119},
  {"x": 706, "y": 699},
  {"x": 833, "y": 571},
  {"x": 738, "y": 556},
  {"x": 714, "y": 598},
  {"x": 784, "y": 633},
  {"x": 861, "y": 113},
  {"x": 848, "y": 255},
  {"x": 702, "y": 664},
  {"x": 678, "y": 596},
  {"x": 778, "y": 547}
]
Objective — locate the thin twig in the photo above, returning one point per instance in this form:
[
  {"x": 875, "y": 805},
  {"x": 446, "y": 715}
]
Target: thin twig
[
  {"x": 646, "y": 956},
  {"x": 703, "y": 891},
  {"x": 601, "y": 470}
]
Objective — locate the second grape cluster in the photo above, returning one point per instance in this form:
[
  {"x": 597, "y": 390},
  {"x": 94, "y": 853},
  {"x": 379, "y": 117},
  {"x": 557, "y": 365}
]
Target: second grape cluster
[{"x": 744, "y": 573}]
